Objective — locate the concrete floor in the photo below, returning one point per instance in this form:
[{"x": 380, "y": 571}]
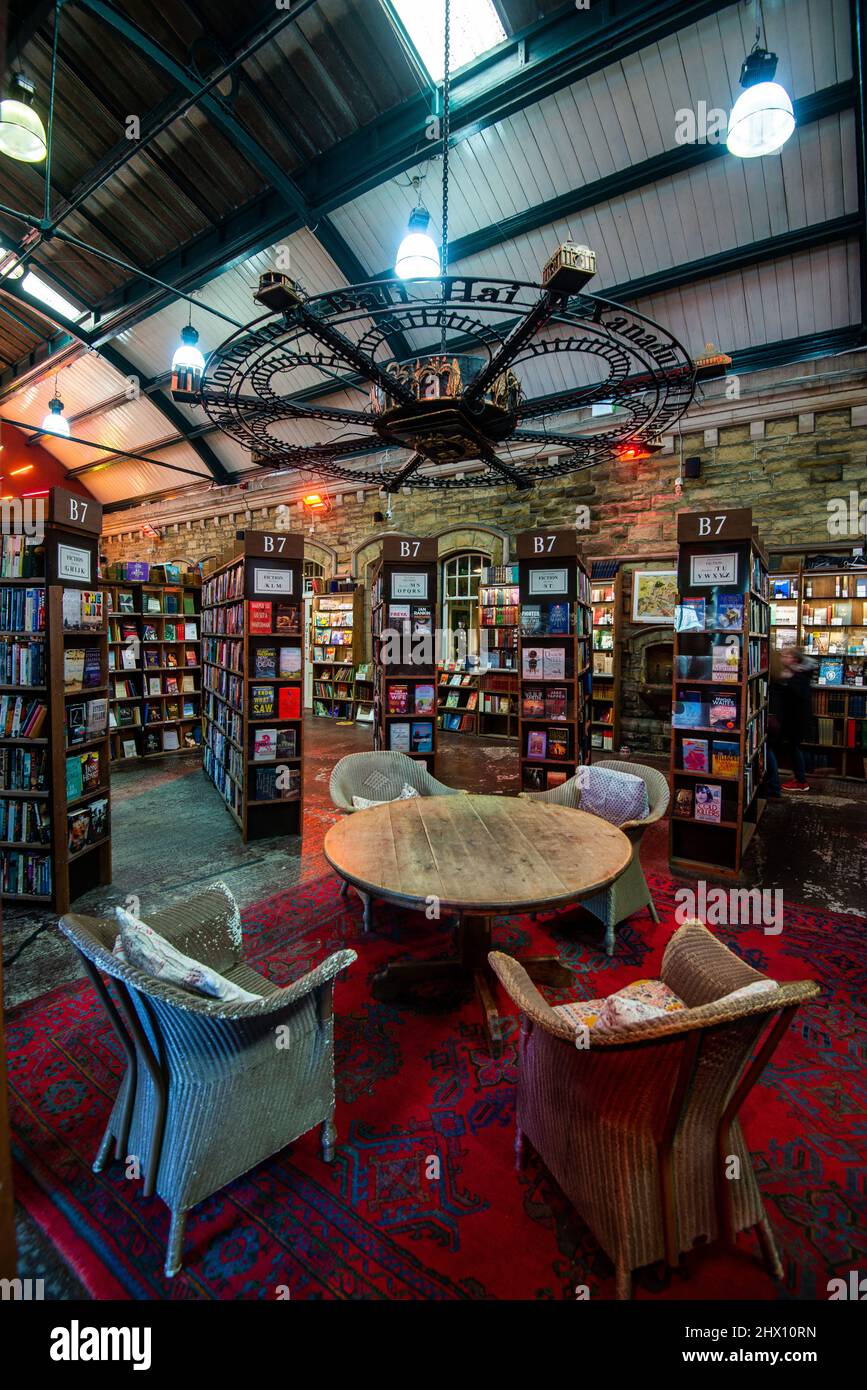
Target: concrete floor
[{"x": 171, "y": 834}]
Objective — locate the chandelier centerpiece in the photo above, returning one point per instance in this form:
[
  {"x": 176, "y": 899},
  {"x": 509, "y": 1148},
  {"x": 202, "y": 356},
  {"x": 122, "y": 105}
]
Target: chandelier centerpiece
[{"x": 438, "y": 380}]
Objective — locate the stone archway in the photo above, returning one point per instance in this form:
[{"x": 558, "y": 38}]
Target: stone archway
[
  {"x": 491, "y": 540},
  {"x": 325, "y": 555}
]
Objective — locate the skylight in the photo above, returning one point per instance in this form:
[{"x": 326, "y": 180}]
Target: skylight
[
  {"x": 38, "y": 288},
  {"x": 475, "y": 28}
]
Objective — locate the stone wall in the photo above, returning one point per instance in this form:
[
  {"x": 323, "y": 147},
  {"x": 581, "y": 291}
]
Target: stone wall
[{"x": 787, "y": 469}]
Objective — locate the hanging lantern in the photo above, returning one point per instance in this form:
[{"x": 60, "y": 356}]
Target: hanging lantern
[
  {"x": 22, "y": 134},
  {"x": 55, "y": 421},
  {"x": 188, "y": 364},
  {"x": 417, "y": 257},
  {"x": 762, "y": 118}
]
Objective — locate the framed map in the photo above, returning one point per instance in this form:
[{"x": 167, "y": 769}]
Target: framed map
[{"x": 654, "y": 596}]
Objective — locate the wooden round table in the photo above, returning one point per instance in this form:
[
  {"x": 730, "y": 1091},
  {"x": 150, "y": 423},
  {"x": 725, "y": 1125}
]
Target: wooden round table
[{"x": 476, "y": 856}]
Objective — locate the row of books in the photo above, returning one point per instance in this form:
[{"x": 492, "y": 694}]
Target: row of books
[
  {"x": 225, "y": 751},
  {"x": 603, "y": 664},
  {"x": 275, "y": 661},
  {"x": 702, "y": 802},
  {"x": 86, "y": 720},
  {"x": 544, "y": 663},
  {"x": 692, "y": 711},
  {"x": 223, "y": 651},
  {"x": 722, "y": 757},
  {"x": 166, "y": 603},
  {"x": 542, "y": 618},
  {"x": 23, "y": 662},
  {"x": 22, "y": 610},
  {"x": 602, "y": 738},
  {"x": 499, "y": 574},
  {"x": 227, "y": 621},
  {"x": 20, "y": 718},
  {"x": 169, "y": 712},
  {"x": 20, "y": 559},
  {"x": 228, "y": 786},
  {"x": 82, "y": 775},
  {"x": 415, "y": 737},
  {"x": 82, "y": 668},
  {"x": 835, "y": 614},
  {"x": 498, "y": 704},
  {"x": 724, "y": 611},
  {"x": 540, "y": 779},
  {"x": 24, "y": 874},
  {"x": 548, "y": 744},
  {"x": 272, "y": 744},
  {"x": 276, "y": 784},
  {"x": 453, "y": 700},
  {"x": 498, "y": 617},
  {"x": 24, "y": 769},
  {"x": 458, "y": 723},
  {"x": 828, "y": 732},
  {"x": 340, "y": 691},
  {"x": 228, "y": 584},
  {"x": 545, "y": 702},
  {"x": 270, "y": 702},
  {"x": 499, "y": 596},
  {"x": 25, "y": 821},
  {"x": 408, "y": 697},
  {"x": 266, "y": 617},
  {"x": 87, "y": 826},
  {"x": 82, "y": 610},
  {"x": 229, "y": 720},
  {"x": 226, "y": 684}
]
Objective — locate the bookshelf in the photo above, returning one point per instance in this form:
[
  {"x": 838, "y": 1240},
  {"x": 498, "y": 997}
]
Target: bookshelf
[
  {"x": 606, "y": 596},
  {"x": 833, "y": 623},
  {"x": 154, "y": 653},
  {"x": 335, "y": 652},
  {"x": 720, "y": 691},
  {"x": 55, "y": 824},
  {"x": 785, "y": 608},
  {"x": 458, "y": 698},
  {"x": 404, "y": 624},
  {"x": 253, "y": 680},
  {"x": 553, "y": 658},
  {"x": 499, "y": 614},
  {"x": 498, "y": 704}
]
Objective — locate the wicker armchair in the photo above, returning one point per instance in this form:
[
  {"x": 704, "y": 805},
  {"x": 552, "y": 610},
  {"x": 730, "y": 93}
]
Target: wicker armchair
[
  {"x": 380, "y": 776},
  {"x": 211, "y": 1088},
  {"x": 629, "y": 893},
  {"x": 639, "y": 1128}
]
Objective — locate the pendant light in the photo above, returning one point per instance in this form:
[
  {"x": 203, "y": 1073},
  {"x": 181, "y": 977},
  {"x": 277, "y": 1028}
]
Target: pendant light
[
  {"x": 762, "y": 118},
  {"x": 55, "y": 421},
  {"x": 188, "y": 365},
  {"x": 417, "y": 255},
  {"x": 22, "y": 134}
]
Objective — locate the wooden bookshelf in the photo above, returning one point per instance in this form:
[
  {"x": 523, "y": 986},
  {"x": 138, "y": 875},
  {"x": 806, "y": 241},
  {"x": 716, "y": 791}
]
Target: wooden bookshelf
[
  {"x": 720, "y": 691},
  {"x": 785, "y": 590},
  {"x": 335, "y": 653},
  {"x": 458, "y": 698},
  {"x": 606, "y": 596},
  {"x": 833, "y": 625},
  {"x": 553, "y": 658},
  {"x": 253, "y": 665},
  {"x": 498, "y": 704},
  {"x": 403, "y": 611},
  {"x": 499, "y": 609},
  {"x": 56, "y": 821},
  {"x": 154, "y": 667}
]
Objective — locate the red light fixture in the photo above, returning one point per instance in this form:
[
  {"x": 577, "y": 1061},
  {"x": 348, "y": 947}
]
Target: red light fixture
[
  {"x": 15, "y": 472},
  {"x": 635, "y": 450},
  {"x": 315, "y": 502}
]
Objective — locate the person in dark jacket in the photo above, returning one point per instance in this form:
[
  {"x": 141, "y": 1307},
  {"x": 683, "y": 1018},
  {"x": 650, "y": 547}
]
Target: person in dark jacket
[{"x": 797, "y": 721}]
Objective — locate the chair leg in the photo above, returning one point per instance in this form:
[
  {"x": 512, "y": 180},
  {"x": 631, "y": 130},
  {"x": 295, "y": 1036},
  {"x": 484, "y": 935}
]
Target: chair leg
[
  {"x": 365, "y": 898},
  {"x": 520, "y": 1149},
  {"x": 344, "y": 887},
  {"x": 174, "y": 1249},
  {"x": 651, "y": 907},
  {"x": 328, "y": 1139},
  {"x": 769, "y": 1248},
  {"x": 102, "y": 1155},
  {"x": 609, "y": 939}
]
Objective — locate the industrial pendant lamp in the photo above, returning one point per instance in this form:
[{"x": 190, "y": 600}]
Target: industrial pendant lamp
[
  {"x": 188, "y": 365},
  {"x": 417, "y": 256},
  {"x": 55, "y": 421},
  {"x": 762, "y": 118},
  {"x": 22, "y": 134}
]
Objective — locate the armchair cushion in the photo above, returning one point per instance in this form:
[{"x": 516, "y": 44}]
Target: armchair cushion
[
  {"x": 141, "y": 946},
  {"x": 634, "y": 1003},
  {"x": 406, "y": 793},
  {"x": 614, "y": 796}
]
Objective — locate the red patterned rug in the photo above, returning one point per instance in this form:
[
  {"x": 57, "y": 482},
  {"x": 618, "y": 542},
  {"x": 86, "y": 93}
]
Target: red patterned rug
[{"x": 418, "y": 1092}]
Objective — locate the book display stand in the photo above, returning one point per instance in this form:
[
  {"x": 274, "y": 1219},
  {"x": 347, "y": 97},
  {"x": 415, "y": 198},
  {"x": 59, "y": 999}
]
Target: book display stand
[
  {"x": 253, "y": 663},
  {"x": 607, "y": 599},
  {"x": 404, "y": 625},
  {"x": 720, "y": 691},
  {"x": 335, "y": 654},
  {"x": 553, "y": 658},
  {"x": 55, "y": 818}
]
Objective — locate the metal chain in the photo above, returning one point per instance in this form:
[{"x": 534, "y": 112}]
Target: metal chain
[{"x": 444, "y": 252}]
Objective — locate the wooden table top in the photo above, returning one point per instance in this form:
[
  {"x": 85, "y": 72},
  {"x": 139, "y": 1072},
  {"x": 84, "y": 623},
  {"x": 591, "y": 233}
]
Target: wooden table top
[{"x": 485, "y": 854}]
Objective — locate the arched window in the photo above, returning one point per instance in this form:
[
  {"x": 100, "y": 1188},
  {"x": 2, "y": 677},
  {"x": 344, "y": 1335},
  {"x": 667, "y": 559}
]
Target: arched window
[
  {"x": 461, "y": 576},
  {"x": 312, "y": 570}
]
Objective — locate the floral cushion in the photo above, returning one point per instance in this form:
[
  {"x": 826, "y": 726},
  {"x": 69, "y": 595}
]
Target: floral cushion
[
  {"x": 746, "y": 991},
  {"x": 406, "y": 793},
  {"x": 614, "y": 796},
  {"x": 634, "y": 1003},
  {"x": 139, "y": 945}
]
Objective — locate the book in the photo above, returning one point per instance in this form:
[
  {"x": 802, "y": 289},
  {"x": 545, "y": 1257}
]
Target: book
[
  {"x": 533, "y": 779},
  {"x": 193, "y": 736},
  {"x": 725, "y": 759},
  {"x": 425, "y": 699},
  {"x": 422, "y": 737},
  {"x": 555, "y": 778},
  {"x": 558, "y": 743},
  {"x": 128, "y": 748},
  {"x": 287, "y": 618},
  {"x": 76, "y": 723},
  {"x": 73, "y": 668},
  {"x": 289, "y": 702},
  {"x": 698, "y": 668},
  {"x": 730, "y": 611},
  {"x": 287, "y": 743},
  {"x": 262, "y": 702},
  {"x": 683, "y": 802},
  {"x": 265, "y": 662},
  {"x": 398, "y": 699},
  {"x": 558, "y": 618},
  {"x": 171, "y": 685},
  {"x": 537, "y": 744},
  {"x": 399, "y": 737},
  {"x": 689, "y": 615},
  {"x": 556, "y": 700},
  {"x": 695, "y": 755},
  {"x": 89, "y": 771},
  {"x": 531, "y": 619},
  {"x": 98, "y": 819},
  {"x": 170, "y": 740},
  {"x": 708, "y": 802},
  {"x": 290, "y": 661},
  {"x": 264, "y": 745},
  {"x": 830, "y": 671},
  {"x": 723, "y": 712},
  {"x": 533, "y": 702},
  {"x": 73, "y": 778},
  {"x": 725, "y": 662},
  {"x": 689, "y": 712},
  {"x": 78, "y": 830},
  {"x": 554, "y": 663}
]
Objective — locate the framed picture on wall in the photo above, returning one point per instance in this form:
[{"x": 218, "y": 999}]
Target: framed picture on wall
[{"x": 654, "y": 596}]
